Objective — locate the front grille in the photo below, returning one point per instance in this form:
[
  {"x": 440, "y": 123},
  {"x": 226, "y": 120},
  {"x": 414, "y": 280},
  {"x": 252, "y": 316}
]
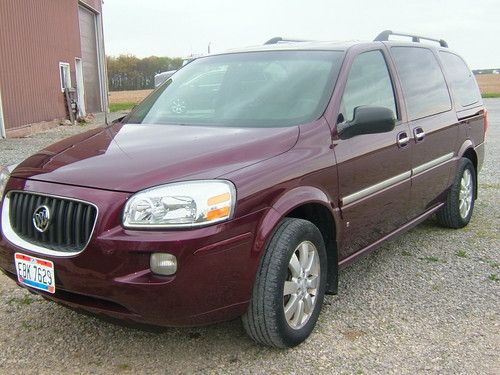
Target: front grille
[{"x": 70, "y": 226}]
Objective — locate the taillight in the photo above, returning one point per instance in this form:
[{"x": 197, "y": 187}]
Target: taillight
[{"x": 485, "y": 120}]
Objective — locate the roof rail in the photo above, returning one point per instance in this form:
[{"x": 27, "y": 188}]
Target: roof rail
[
  {"x": 384, "y": 36},
  {"x": 279, "y": 39}
]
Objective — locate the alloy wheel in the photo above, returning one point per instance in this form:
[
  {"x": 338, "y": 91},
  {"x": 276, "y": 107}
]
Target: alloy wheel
[
  {"x": 301, "y": 286},
  {"x": 466, "y": 194}
]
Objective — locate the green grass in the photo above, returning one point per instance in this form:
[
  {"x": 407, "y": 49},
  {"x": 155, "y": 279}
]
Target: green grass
[
  {"x": 461, "y": 254},
  {"x": 123, "y": 366},
  {"x": 493, "y": 277},
  {"x": 490, "y": 94},
  {"x": 115, "y": 107},
  {"x": 490, "y": 186},
  {"x": 21, "y": 301}
]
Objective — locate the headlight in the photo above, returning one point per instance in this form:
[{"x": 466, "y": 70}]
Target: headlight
[
  {"x": 4, "y": 177},
  {"x": 182, "y": 204}
]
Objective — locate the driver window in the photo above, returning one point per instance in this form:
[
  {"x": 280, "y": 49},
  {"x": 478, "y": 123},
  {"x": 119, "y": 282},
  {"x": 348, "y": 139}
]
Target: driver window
[{"x": 369, "y": 83}]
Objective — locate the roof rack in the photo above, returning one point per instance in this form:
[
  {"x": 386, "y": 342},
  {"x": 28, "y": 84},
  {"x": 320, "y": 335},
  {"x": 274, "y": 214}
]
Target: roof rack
[
  {"x": 384, "y": 36},
  {"x": 279, "y": 39}
]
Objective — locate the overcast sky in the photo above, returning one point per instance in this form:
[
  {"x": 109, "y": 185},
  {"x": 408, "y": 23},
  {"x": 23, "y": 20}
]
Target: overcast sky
[{"x": 184, "y": 27}]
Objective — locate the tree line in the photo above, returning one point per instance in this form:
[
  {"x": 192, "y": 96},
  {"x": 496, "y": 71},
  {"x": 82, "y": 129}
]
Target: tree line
[{"x": 128, "y": 72}]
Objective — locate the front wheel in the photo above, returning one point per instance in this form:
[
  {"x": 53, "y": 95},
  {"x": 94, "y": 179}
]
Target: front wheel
[
  {"x": 289, "y": 286},
  {"x": 459, "y": 204}
]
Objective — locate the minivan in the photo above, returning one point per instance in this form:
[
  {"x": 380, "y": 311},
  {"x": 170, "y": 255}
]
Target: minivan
[{"x": 243, "y": 183}]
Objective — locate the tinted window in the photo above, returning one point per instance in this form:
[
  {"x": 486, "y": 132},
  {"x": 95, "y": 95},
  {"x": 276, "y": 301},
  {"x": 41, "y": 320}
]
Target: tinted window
[
  {"x": 369, "y": 83},
  {"x": 423, "y": 82},
  {"x": 253, "y": 89},
  {"x": 462, "y": 81}
]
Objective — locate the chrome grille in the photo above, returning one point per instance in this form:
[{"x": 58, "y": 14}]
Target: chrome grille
[{"x": 70, "y": 227}]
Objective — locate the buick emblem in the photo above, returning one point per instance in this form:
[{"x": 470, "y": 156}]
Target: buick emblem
[{"x": 41, "y": 218}]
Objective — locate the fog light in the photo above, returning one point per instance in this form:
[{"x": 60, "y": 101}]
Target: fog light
[{"x": 163, "y": 264}]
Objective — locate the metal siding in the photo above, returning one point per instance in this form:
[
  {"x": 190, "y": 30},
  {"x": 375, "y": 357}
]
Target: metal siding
[
  {"x": 88, "y": 37},
  {"x": 34, "y": 37},
  {"x": 2, "y": 126}
]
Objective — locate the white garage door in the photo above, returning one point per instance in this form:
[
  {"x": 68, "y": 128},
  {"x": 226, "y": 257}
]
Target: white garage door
[{"x": 90, "y": 60}]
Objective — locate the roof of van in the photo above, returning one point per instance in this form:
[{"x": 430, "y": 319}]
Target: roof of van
[{"x": 326, "y": 45}]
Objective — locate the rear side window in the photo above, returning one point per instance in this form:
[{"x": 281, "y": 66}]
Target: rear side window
[
  {"x": 369, "y": 83},
  {"x": 463, "y": 84},
  {"x": 423, "y": 82}
]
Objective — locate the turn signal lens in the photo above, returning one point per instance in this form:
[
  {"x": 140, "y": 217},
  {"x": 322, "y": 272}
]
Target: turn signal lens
[
  {"x": 219, "y": 199},
  {"x": 218, "y": 213}
]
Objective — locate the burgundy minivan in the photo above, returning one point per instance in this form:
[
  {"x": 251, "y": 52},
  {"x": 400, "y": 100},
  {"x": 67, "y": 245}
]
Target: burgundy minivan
[{"x": 242, "y": 184}]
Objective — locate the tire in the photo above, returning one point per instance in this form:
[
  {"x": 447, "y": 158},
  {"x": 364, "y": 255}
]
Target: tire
[
  {"x": 265, "y": 320},
  {"x": 459, "y": 204}
]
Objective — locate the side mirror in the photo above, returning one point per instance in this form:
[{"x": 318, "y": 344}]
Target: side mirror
[{"x": 367, "y": 120}]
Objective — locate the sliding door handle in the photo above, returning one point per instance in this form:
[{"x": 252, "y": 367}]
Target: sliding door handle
[{"x": 419, "y": 134}]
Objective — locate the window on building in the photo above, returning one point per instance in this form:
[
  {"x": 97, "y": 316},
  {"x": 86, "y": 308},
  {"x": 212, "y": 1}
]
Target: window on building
[
  {"x": 65, "y": 75},
  {"x": 369, "y": 83},
  {"x": 422, "y": 80}
]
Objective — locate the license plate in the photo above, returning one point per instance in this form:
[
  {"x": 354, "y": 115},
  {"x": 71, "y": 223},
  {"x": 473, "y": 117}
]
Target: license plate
[{"x": 35, "y": 272}]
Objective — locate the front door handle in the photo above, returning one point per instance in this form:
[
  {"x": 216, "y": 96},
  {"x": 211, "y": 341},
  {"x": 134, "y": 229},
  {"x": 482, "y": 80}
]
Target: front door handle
[
  {"x": 419, "y": 134},
  {"x": 403, "y": 139}
]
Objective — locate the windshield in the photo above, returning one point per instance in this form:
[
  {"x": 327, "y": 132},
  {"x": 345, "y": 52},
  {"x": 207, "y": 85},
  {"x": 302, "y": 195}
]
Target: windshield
[{"x": 252, "y": 89}]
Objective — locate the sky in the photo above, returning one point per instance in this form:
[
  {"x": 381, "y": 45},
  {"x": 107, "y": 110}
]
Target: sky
[{"x": 181, "y": 28}]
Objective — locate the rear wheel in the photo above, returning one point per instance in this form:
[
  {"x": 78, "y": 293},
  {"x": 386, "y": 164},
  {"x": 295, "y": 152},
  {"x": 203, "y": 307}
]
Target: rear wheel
[
  {"x": 289, "y": 286},
  {"x": 459, "y": 204}
]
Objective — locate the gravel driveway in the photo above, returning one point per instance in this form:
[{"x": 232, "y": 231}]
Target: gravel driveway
[{"x": 427, "y": 302}]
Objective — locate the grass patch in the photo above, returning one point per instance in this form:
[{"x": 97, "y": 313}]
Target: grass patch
[
  {"x": 123, "y": 367},
  {"x": 430, "y": 259},
  {"x": 406, "y": 253},
  {"x": 490, "y": 186},
  {"x": 461, "y": 254},
  {"x": 494, "y": 277},
  {"x": 21, "y": 301},
  {"x": 490, "y": 94},
  {"x": 116, "y": 107},
  {"x": 490, "y": 262}
]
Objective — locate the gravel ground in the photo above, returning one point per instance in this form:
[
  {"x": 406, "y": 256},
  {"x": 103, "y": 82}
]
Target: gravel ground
[{"x": 427, "y": 302}]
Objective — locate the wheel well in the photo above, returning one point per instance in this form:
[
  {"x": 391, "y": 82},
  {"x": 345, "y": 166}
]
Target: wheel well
[
  {"x": 321, "y": 216},
  {"x": 471, "y": 155}
]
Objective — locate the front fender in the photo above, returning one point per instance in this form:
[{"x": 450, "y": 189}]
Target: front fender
[{"x": 285, "y": 204}]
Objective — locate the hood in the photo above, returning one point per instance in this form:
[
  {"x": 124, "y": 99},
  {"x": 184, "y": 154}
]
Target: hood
[{"x": 133, "y": 157}]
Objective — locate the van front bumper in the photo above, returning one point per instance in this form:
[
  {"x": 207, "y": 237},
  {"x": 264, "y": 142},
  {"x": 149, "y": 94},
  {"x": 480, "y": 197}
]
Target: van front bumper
[{"x": 112, "y": 276}]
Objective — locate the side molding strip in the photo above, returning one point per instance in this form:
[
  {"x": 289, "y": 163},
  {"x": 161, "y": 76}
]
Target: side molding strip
[
  {"x": 394, "y": 180},
  {"x": 374, "y": 188},
  {"x": 432, "y": 163}
]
